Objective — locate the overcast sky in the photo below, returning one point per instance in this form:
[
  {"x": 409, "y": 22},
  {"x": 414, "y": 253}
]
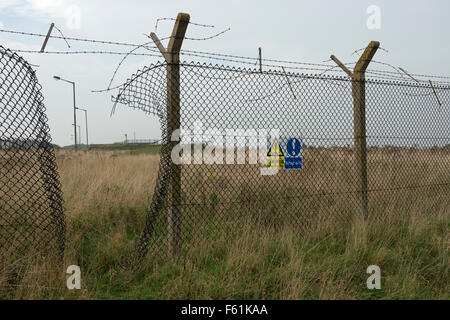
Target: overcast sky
[{"x": 414, "y": 32}]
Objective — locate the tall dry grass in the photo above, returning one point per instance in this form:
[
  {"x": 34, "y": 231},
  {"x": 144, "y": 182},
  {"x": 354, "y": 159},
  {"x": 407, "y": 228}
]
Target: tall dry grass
[
  {"x": 105, "y": 179},
  {"x": 106, "y": 198}
]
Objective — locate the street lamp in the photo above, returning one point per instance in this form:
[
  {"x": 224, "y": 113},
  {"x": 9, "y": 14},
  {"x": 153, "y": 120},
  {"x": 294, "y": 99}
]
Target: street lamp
[
  {"x": 87, "y": 137},
  {"x": 74, "y": 108},
  {"x": 79, "y": 135}
]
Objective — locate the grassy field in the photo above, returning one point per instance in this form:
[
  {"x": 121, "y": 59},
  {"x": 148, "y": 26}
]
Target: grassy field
[{"x": 107, "y": 194}]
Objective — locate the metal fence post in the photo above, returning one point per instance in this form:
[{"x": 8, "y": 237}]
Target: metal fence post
[{"x": 359, "y": 127}]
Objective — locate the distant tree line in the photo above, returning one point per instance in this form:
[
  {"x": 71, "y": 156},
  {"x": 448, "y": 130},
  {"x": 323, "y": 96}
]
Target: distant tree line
[{"x": 23, "y": 144}]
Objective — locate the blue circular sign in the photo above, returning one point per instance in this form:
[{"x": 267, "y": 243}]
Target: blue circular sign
[{"x": 293, "y": 147}]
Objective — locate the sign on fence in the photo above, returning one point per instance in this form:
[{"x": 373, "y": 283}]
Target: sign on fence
[
  {"x": 275, "y": 156},
  {"x": 291, "y": 158},
  {"x": 294, "y": 151}
]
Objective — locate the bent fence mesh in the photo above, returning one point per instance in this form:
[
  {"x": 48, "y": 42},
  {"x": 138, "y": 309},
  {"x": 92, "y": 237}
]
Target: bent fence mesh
[
  {"x": 227, "y": 113},
  {"x": 31, "y": 212}
]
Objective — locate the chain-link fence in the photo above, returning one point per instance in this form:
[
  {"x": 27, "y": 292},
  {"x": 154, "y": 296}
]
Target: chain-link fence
[
  {"x": 31, "y": 212},
  {"x": 276, "y": 150}
]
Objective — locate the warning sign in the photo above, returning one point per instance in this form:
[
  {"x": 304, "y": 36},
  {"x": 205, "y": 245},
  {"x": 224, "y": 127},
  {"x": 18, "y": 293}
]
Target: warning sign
[{"x": 275, "y": 156}]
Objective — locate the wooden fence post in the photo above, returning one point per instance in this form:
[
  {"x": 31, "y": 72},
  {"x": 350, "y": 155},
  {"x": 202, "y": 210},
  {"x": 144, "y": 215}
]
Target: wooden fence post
[
  {"x": 260, "y": 59},
  {"x": 359, "y": 127},
  {"x": 359, "y": 124},
  {"x": 172, "y": 57},
  {"x": 47, "y": 37}
]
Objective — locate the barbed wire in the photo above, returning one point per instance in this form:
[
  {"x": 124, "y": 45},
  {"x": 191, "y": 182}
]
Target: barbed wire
[
  {"x": 273, "y": 63},
  {"x": 131, "y": 80},
  {"x": 86, "y": 52},
  {"x": 149, "y": 48},
  {"x": 173, "y": 19},
  {"x": 184, "y": 52},
  {"x": 70, "y": 38},
  {"x": 378, "y": 73},
  {"x": 361, "y": 49},
  {"x": 188, "y": 52},
  {"x": 397, "y": 72},
  {"x": 198, "y": 39},
  {"x": 397, "y": 75},
  {"x": 223, "y": 57},
  {"x": 123, "y": 59},
  {"x": 62, "y": 35},
  {"x": 202, "y": 54},
  {"x": 281, "y": 87}
]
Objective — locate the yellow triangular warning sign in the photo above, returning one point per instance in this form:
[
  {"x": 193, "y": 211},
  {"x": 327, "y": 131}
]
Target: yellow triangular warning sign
[{"x": 275, "y": 150}]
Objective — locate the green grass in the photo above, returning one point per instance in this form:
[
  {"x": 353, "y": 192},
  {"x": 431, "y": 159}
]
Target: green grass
[{"x": 256, "y": 264}]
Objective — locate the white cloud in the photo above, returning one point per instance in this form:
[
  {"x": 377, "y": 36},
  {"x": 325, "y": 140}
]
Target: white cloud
[
  {"x": 7, "y": 3},
  {"x": 45, "y": 9},
  {"x": 1, "y": 24}
]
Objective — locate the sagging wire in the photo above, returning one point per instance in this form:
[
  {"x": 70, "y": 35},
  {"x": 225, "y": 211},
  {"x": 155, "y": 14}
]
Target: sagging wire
[
  {"x": 62, "y": 35},
  {"x": 127, "y": 83},
  {"x": 121, "y": 62},
  {"x": 361, "y": 49},
  {"x": 200, "y": 39},
  {"x": 173, "y": 19}
]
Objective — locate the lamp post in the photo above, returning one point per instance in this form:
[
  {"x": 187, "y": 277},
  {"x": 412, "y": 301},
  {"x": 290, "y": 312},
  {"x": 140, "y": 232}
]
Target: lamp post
[
  {"x": 74, "y": 108},
  {"x": 87, "y": 137},
  {"x": 79, "y": 133}
]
